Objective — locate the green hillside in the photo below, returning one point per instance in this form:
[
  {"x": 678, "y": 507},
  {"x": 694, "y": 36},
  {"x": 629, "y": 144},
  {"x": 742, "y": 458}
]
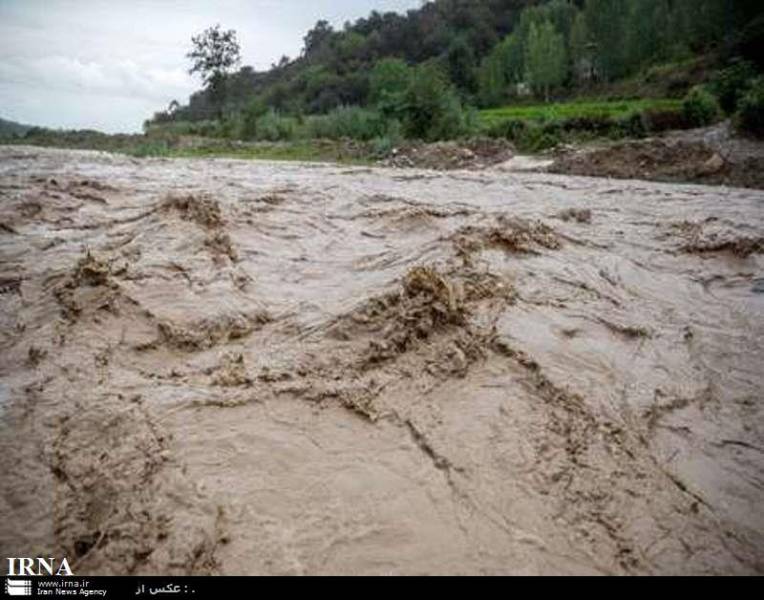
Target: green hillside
[{"x": 426, "y": 73}]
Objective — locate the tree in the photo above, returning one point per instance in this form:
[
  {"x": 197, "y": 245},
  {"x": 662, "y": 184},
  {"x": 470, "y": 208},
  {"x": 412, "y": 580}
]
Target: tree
[
  {"x": 503, "y": 67},
  {"x": 606, "y": 24},
  {"x": 700, "y": 23},
  {"x": 483, "y": 50},
  {"x": 545, "y": 58},
  {"x": 316, "y": 38},
  {"x": 389, "y": 81},
  {"x": 648, "y": 32},
  {"x": 562, "y": 14},
  {"x": 214, "y": 54},
  {"x": 461, "y": 64},
  {"x": 492, "y": 81},
  {"x": 432, "y": 107}
]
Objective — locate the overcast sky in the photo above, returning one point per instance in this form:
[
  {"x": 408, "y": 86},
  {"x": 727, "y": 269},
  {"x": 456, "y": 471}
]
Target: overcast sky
[{"x": 110, "y": 64}]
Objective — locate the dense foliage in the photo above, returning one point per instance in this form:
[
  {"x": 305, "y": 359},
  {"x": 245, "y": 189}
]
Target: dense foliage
[
  {"x": 731, "y": 84},
  {"x": 413, "y": 74},
  {"x": 484, "y": 48},
  {"x": 700, "y": 107},
  {"x": 750, "y": 117}
]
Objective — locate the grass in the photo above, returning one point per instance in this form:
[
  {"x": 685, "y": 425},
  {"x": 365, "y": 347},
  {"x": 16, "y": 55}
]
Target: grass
[{"x": 575, "y": 109}]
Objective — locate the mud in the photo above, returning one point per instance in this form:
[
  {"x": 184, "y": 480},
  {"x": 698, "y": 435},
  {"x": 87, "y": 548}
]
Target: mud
[
  {"x": 475, "y": 154},
  {"x": 229, "y": 367},
  {"x": 712, "y": 156},
  {"x": 711, "y": 236}
]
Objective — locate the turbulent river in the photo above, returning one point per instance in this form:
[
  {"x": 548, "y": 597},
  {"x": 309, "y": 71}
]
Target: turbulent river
[{"x": 220, "y": 366}]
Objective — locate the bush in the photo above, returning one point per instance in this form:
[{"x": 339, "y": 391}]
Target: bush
[
  {"x": 750, "y": 40},
  {"x": 381, "y": 147},
  {"x": 389, "y": 80},
  {"x": 202, "y": 128},
  {"x": 526, "y": 136},
  {"x": 732, "y": 83},
  {"x": 274, "y": 127},
  {"x": 432, "y": 109},
  {"x": 231, "y": 126},
  {"x": 509, "y": 129},
  {"x": 633, "y": 125},
  {"x": 347, "y": 122},
  {"x": 658, "y": 120},
  {"x": 149, "y": 149},
  {"x": 601, "y": 125},
  {"x": 453, "y": 120},
  {"x": 250, "y": 116},
  {"x": 699, "y": 107},
  {"x": 537, "y": 139},
  {"x": 750, "y": 115}
]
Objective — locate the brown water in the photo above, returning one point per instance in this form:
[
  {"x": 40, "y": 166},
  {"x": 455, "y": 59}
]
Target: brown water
[{"x": 217, "y": 366}]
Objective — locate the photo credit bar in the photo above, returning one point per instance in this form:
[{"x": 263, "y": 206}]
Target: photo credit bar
[{"x": 58, "y": 587}]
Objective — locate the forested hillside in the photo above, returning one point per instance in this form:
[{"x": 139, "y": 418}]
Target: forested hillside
[{"x": 480, "y": 53}]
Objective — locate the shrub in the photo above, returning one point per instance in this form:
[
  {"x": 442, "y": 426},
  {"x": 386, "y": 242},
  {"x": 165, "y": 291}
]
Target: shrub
[
  {"x": 699, "y": 107},
  {"x": 527, "y": 137},
  {"x": 388, "y": 83},
  {"x": 432, "y": 109},
  {"x": 346, "y": 122},
  {"x": 750, "y": 115},
  {"x": 732, "y": 83},
  {"x": 250, "y": 116},
  {"x": 394, "y": 131},
  {"x": 274, "y": 127},
  {"x": 149, "y": 149},
  {"x": 601, "y": 125},
  {"x": 633, "y": 125},
  {"x": 537, "y": 139},
  {"x": 658, "y": 120},
  {"x": 510, "y": 129},
  {"x": 750, "y": 41},
  {"x": 452, "y": 121},
  {"x": 231, "y": 126},
  {"x": 381, "y": 147},
  {"x": 203, "y": 128}
]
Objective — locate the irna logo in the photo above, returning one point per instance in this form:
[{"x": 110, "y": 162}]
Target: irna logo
[{"x": 40, "y": 567}]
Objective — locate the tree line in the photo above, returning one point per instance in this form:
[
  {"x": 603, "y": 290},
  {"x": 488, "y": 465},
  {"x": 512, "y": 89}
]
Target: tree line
[{"x": 422, "y": 68}]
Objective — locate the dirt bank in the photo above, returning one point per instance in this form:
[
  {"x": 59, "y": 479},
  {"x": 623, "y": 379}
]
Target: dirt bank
[
  {"x": 475, "y": 154},
  {"x": 218, "y": 366},
  {"x": 712, "y": 156}
]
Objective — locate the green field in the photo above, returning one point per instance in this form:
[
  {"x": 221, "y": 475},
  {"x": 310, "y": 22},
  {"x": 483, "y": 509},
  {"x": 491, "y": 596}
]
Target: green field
[{"x": 569, "y": 110}]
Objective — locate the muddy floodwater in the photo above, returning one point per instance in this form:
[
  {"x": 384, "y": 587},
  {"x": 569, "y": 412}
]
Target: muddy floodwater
[{"x": 230, "y": 367}]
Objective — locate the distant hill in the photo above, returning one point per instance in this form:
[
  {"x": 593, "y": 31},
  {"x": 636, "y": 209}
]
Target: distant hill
[
  {"x": 12, "y": 129},
  {"x": 483, "y": 49}
]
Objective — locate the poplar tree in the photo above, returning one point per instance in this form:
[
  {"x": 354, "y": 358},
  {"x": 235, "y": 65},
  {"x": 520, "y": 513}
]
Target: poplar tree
[{"x": 545, "y": 58}]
